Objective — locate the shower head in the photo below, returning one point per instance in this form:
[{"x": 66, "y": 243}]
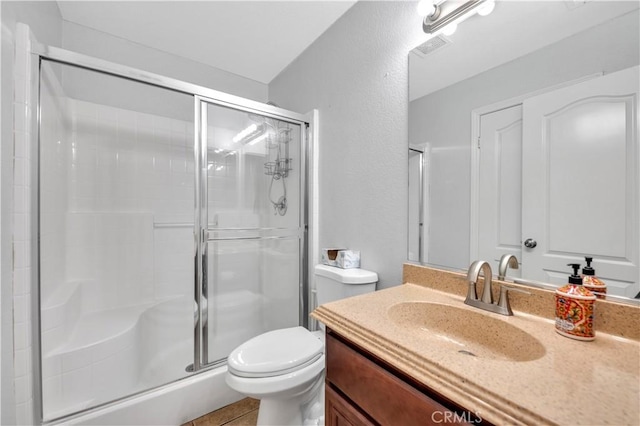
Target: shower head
[
  {"x": 256, "y": 118},
  {"x": 260, "y": 118}
]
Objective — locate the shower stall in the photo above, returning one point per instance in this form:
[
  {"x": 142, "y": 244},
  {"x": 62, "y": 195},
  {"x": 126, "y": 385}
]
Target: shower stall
[{"x": 171, "y": 222}]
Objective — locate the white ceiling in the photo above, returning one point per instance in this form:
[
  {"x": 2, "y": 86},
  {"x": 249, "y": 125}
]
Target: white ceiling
[
  {"x": 254, "y": 39},
  {"x": 514, "y": 29}
]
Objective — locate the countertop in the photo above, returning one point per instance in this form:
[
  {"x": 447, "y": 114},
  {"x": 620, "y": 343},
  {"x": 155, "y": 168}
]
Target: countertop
[{"x": 571, "y": 383}]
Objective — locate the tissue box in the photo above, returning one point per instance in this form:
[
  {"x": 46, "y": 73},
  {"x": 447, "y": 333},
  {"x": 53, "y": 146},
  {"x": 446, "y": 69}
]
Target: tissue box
[
  {"x": 330, "y": 256},
  {"x": 348, "y": 259},
  {"x": 342, "y": 258}
]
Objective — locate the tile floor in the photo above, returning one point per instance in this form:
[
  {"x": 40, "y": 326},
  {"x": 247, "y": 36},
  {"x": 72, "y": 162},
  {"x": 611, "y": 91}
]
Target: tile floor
[{"x": 241, "y": 413}]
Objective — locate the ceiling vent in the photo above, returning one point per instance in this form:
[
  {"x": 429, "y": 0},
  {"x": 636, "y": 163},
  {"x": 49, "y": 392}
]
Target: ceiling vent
[{"x": 431, "y": 45}]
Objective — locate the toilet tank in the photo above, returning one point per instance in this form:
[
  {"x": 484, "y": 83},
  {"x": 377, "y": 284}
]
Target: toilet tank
[{"x": 334, "y": 283}]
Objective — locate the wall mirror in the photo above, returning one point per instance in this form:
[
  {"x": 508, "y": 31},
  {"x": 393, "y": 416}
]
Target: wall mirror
[{"x": 523, "y": 139}]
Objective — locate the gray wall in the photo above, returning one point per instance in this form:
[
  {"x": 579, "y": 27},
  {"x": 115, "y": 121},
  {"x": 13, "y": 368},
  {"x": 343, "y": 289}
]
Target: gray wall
[
  {"x": 46, "y": 23},
  {"x": 105, "y": 46},
  {"x": 443, "y": 118},
  {"x": 355, "y": 74}
]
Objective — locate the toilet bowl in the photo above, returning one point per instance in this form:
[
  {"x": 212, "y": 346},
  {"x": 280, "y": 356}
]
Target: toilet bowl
[{"x": 284, "y": 368}]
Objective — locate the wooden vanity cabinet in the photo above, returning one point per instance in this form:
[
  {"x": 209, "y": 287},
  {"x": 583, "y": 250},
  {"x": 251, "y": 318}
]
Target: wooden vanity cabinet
[{"x": 361, "y": 389}]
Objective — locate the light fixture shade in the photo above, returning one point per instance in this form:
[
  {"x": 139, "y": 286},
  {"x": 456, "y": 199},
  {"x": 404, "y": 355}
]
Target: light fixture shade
[
  {"x": 486, "y": 8},
  {"x": 426, "y": 7},
  {"x": 450, "y": 29},
  {"x": 450, "y": 14}
]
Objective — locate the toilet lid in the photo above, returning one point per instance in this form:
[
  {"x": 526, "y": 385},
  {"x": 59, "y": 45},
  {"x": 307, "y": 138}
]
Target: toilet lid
[{"x": 275, "y": 353}]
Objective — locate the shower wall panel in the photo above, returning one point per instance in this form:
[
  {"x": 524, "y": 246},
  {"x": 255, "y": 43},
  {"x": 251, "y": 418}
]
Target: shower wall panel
[
  {"x": 130, "y": 172},
  {"x": 116, "y": 204}
]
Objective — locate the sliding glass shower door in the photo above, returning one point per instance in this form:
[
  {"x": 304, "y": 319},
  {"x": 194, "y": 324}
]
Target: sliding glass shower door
[
  {"x": 116, "y": 207},
  {"x": 252, "y": 182},
  {"x": 171, "y": 230}
]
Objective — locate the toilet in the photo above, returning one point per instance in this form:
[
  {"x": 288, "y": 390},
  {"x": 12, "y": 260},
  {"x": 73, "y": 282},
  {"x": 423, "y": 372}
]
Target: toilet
[{"x": 284, "y": 368}]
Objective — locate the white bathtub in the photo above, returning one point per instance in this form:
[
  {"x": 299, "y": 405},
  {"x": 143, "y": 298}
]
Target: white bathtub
[
  {"x": 172, "y": 404},
  {"x": 127, "y": 350}
]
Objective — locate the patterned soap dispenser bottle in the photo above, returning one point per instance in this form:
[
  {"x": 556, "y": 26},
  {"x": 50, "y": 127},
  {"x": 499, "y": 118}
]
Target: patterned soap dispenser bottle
[
  {"x": 575, "y": 308},
  {"x": 591, "y": 282}
]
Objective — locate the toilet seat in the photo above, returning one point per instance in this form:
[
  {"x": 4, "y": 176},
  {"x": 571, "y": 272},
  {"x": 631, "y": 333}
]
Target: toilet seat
[
  {"x": 282, "y": 386},
  {"x": 276, "y": 353}
]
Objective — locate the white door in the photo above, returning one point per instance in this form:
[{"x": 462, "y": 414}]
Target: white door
[
  {"x": 500, "y": 200},
  {"x": 580, "y": 181}
]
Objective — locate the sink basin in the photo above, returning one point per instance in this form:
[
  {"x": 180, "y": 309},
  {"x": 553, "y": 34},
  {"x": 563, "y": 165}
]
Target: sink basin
[{"x": 466, "y": 332}]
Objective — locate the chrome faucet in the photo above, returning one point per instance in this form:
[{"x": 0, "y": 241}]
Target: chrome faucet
[
  {"x": 472, "y": 276},
  {"x": 507, "y": 260},
  {"x": 486, "y": 301}
]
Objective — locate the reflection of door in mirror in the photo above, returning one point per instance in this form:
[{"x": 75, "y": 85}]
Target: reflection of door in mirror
[
  {"x": 499, "y": 182},
  {"x": 416, "y": 205},
  {"x": 583, "y": 138}
]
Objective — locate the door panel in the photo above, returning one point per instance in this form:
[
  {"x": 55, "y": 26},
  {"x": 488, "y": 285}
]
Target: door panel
[
  {"x": 116, "y": 197},
  {"x": 253, "y": 227},
  {"x": 416, "y": 208},
  {"x": 500, "y": 186},
  {"x": 580, "y": 181}
]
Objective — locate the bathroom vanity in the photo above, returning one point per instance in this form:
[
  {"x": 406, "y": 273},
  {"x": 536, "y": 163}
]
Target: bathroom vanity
[
  {"x": 414, "y": 354},
  {"x": 361, "y": 389}
]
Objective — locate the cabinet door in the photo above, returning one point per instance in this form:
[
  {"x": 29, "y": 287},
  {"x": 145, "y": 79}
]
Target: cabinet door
[
  {"x": 339, "y": 412},
  {"x": 383, "y": 396}
]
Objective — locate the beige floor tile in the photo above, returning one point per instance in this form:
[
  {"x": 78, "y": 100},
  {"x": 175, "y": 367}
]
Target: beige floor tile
[
  {"x": 227, "y": 414},
  {"x": 249, "y": 419}
]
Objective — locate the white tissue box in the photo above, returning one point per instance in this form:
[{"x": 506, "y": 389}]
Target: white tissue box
[
  {"x": 342, "y": 258},
  {"x": 330, "y": 256},
  {"x": 348, "y": 259}
]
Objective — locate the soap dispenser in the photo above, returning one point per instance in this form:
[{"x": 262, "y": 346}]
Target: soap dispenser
[
  {"x": 591, "y": 282},
  {"x": 575, "y": 308}
]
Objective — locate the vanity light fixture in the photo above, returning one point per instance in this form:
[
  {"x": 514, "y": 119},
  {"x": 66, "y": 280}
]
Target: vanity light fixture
[
  {"x": 427, "y": 8},
  {"x": 444, "y": 17}
]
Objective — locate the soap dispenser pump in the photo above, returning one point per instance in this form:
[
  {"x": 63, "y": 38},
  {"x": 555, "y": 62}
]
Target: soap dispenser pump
[
  {"x": 575, "y": 308},
  {"x": 591, "y": 282}
]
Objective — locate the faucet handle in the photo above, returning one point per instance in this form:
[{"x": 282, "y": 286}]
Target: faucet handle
[{"x": 503, "y": 302}]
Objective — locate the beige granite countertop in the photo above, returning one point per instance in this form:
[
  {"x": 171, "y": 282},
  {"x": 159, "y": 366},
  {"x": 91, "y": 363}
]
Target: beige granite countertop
[{"x": 570, "y": 383}]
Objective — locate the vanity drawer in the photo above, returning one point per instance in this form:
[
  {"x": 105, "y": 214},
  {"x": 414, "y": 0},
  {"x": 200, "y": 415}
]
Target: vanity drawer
[{"x": 380, "y": 394}]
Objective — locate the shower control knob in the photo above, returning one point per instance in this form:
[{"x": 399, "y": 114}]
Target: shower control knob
[{"x": 530, "y": 243}]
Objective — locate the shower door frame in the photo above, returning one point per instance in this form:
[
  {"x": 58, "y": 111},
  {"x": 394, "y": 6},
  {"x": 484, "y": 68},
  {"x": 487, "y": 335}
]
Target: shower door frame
[
  {"x": 203, "y": 233},
  {"x": 201, "y": 96}
]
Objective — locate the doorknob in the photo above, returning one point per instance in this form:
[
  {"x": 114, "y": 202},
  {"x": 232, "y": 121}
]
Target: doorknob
[{"x": 530, "y": 243}]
